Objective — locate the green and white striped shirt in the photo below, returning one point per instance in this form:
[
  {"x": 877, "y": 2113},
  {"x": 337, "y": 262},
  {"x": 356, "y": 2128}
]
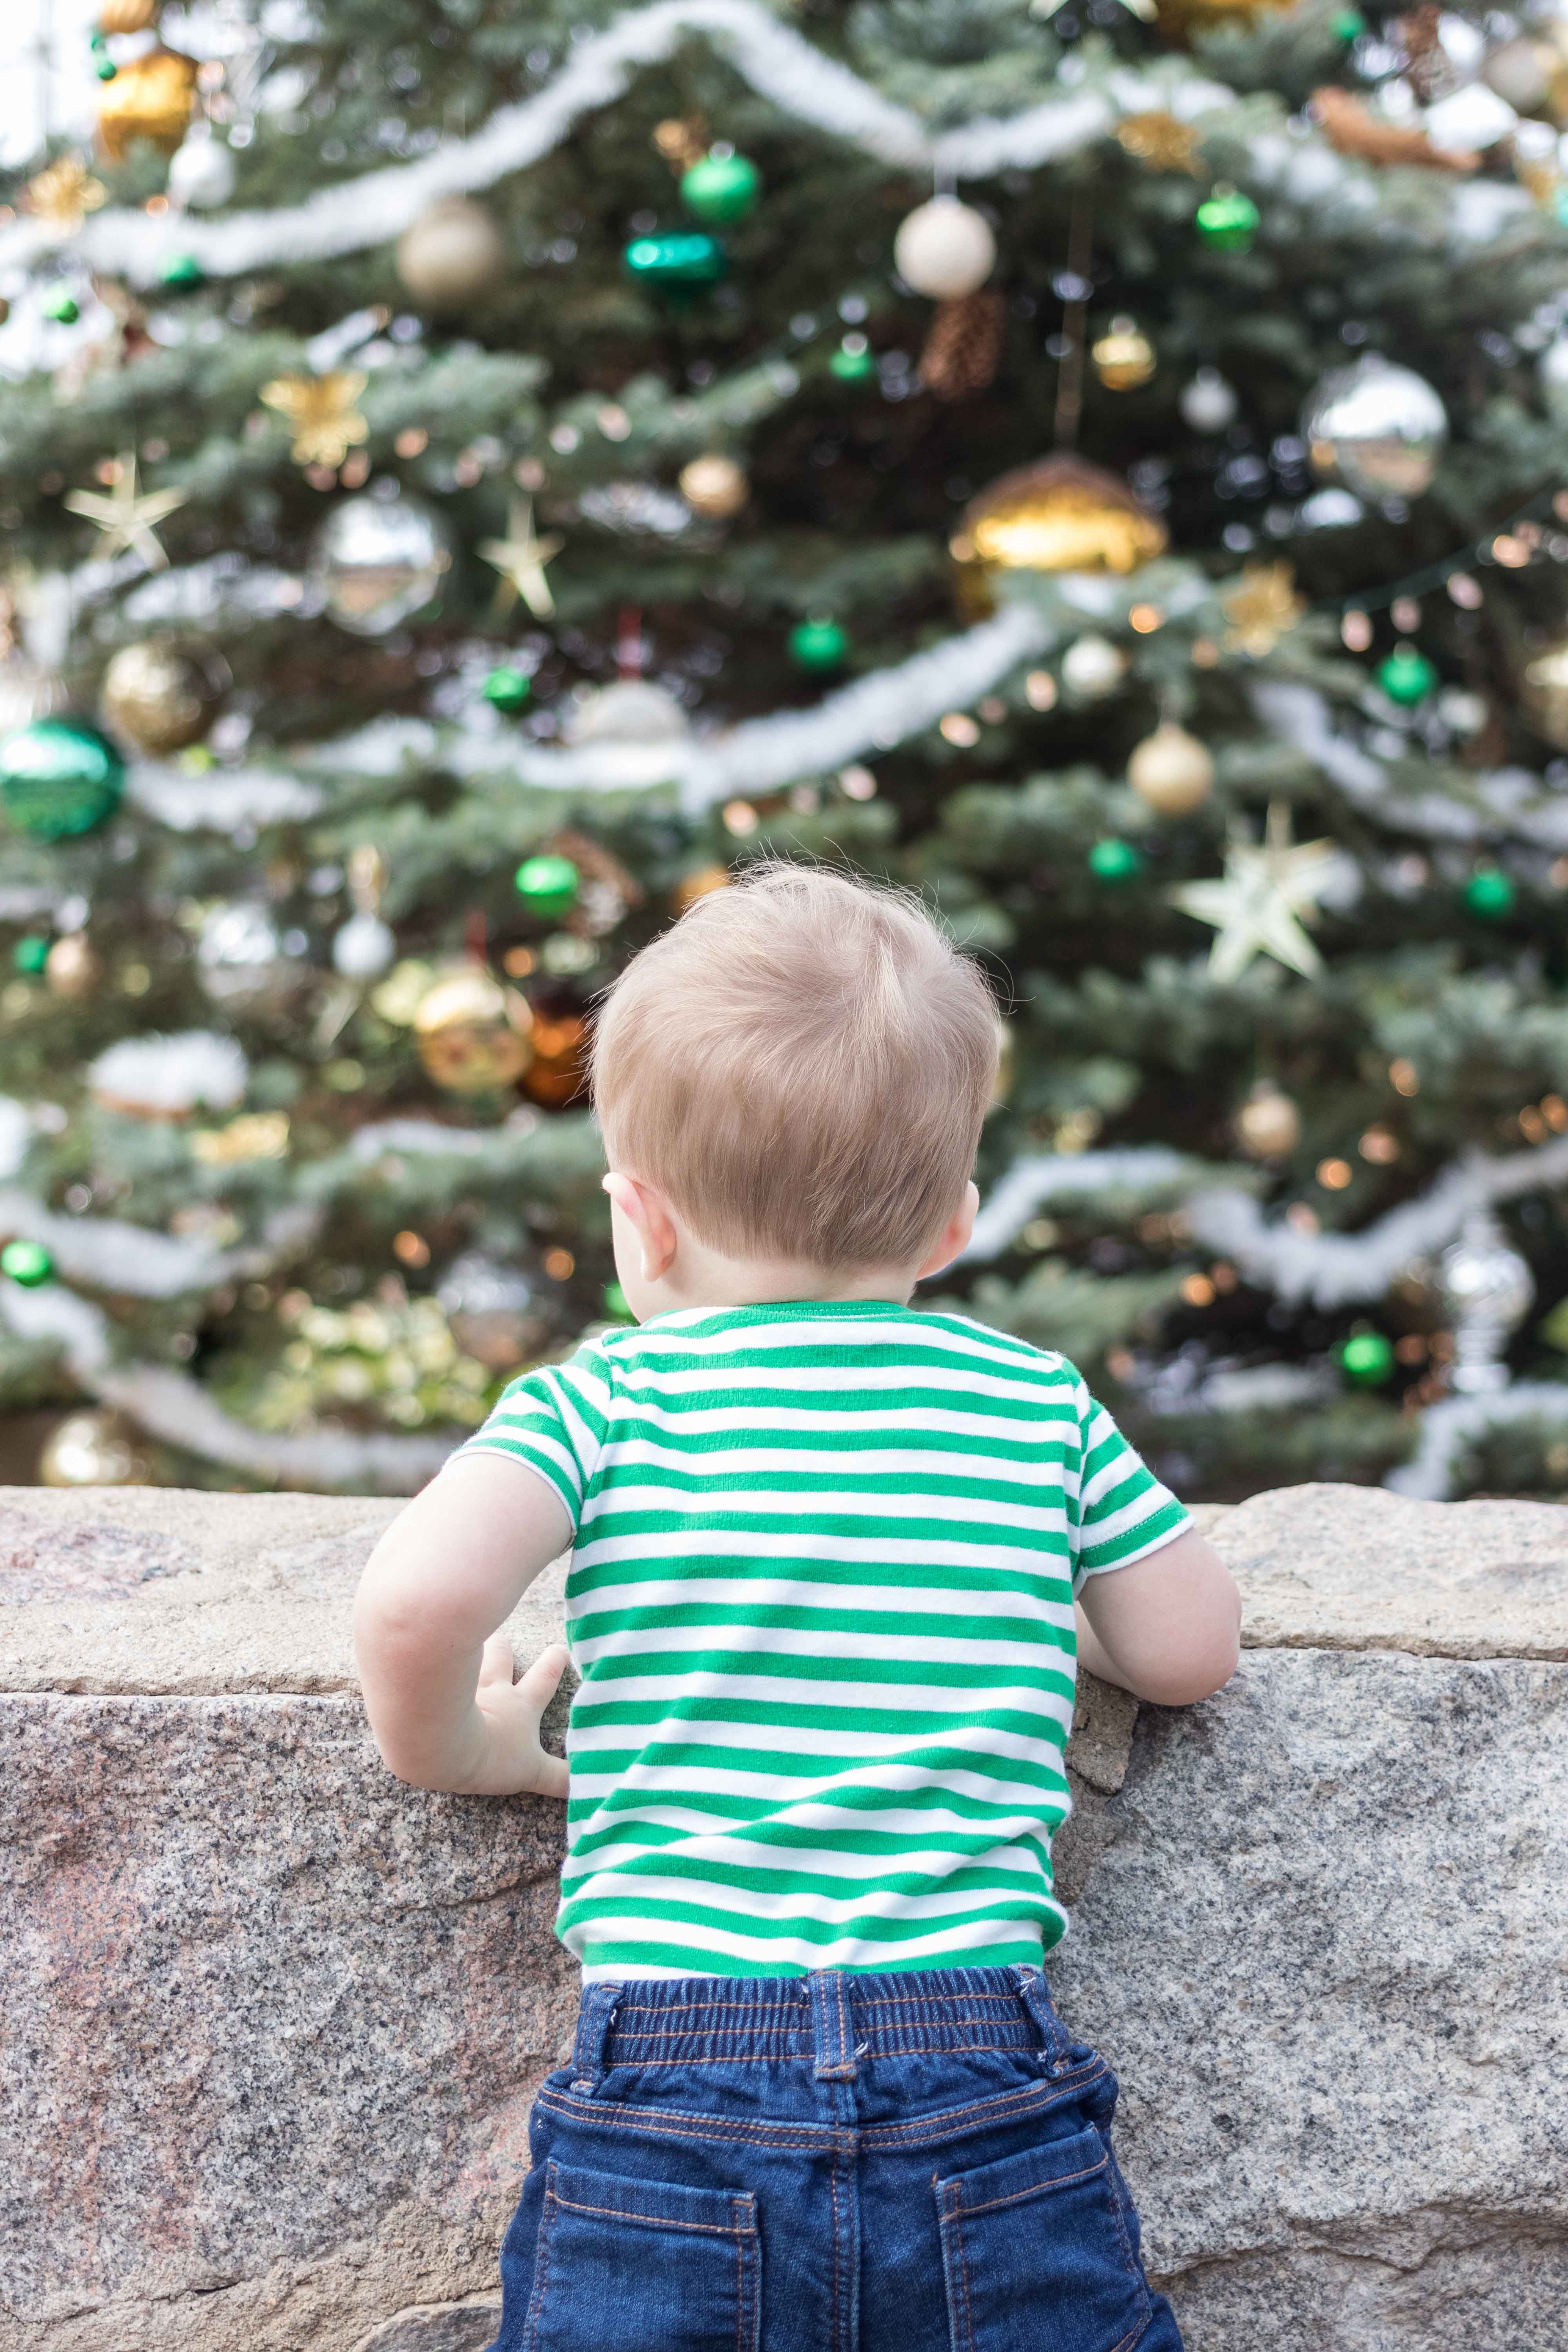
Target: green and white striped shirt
[{"x": 821, "y": 1602}]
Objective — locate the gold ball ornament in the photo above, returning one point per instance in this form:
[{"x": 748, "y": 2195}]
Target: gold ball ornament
[
  {"x": 559, "y": 1071},
  {"x": 1268, "y": 1124},
  {"x": 149, "y": 97},
  {"x": 471, "y": 1034},
  {"x": 1179, "y": 19},
  {"x": 92, "y": 1449},
  {"x": 72, "y": 969},
  {"x": 715, "y": 486},
  {"x": 1171, "y": 770},
  {"x": 128, "y": 15},
  {"x": 1544, "y": 690},
  {"x": 1060, "y": 514},
  {"x": 451, "y": 255},
  {"x": 158, "y": 695},
  {"x": 1123, "y": 356}
]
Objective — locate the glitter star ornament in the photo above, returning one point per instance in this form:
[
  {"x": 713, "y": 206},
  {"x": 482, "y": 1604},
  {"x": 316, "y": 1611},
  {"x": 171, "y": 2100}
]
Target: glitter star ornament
[
  {"x": 520, "y": 558},
  {"x": 128, "y": 522},
  {"x": 320, "y": 414},
  {"x": 64, "y": 194},
  {"x": 1257, "y": 905},
  {"x": 1261, "y": 609}
]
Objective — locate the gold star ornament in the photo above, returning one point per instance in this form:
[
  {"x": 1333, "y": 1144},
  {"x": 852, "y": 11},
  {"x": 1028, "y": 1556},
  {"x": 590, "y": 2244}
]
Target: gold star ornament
[
  {"x": 1257, "y": 904},
  {"x": 1159, "y": 142},
  {"x": 320, "y": 414},
  {"x": 520, "y": 558},
  {"x": 1261, "y": 609},
  {"x": 126, "y": 521},
  {"x": 64, "y": 194}
]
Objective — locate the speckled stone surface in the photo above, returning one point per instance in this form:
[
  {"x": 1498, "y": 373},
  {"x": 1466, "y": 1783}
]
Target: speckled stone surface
[{"x": 272, "y": 2022}]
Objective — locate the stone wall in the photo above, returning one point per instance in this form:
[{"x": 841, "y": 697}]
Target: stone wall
[{"x": 272, "y": 2022}]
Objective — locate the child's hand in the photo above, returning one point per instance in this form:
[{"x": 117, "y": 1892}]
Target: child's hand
[{"x": 514, "y": 1764}]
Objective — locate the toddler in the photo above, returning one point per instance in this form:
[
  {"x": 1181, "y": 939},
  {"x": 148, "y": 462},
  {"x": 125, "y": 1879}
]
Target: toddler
[{"x": 825, "y": 1548}]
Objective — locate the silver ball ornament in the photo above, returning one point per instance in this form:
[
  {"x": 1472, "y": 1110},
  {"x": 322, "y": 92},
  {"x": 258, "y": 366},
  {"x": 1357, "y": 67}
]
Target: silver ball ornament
[
  {"x": 1486, "y": 1288},
  {"x": 376, "y": 562},
  {"x": 1093, "y": 667},
  {"x": 1208, "y": 404},
  {"x": 201, "y": 173},
  {"x": 1381, "y": 428},
  {"x": 633, "y": 711},
  {"x": 944, "y": 248},
  {"x": 242, "y": 963},
  {"x": 364, "y": 947}
]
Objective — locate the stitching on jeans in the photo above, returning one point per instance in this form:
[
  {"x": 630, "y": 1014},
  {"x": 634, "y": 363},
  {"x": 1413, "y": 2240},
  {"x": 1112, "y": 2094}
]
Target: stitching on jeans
[
  {"x": 920, "y": 2000},
  {"x": 757, "y": 2008},
  {"x": 1037, "y": 2188},
  {"x": 817, "y": 2138},
  {"x": 957, "y": 2219},
  {"x": 540, "y": 2272},
  {"x": 658, "y": 2221},
  {"x": 777, "y": 2057}
]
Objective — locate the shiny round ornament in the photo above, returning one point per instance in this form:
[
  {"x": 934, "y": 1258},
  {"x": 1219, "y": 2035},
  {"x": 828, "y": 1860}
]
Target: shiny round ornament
[
  {"x": 720, "y": 188},
  {"x": 182, "y": 273},
  {"x": 1268, "y": 1124},
  {"x": 1520, "y": 72},
  {"x": 61, "y": 305},
  {"x": 1092, "y": 668},
  {"x": 681, "y": 261},
  {"x": 548, "y": 886},
  {"x": 1381, "y": 429},
  {"x": 151, "y": 97},
  {"x": 854, "y": 361},
  {"x": 160, "y": 696},
  {"x": 364, "y": 947},
  {"x": 30, "y": 955},
  {"x": 1544, "y": 690},
  {"x": 1060, "y": 514},
  {"x": 128, "y": 15},
  {"x": 633, "y": 712},
  {"x": 202, "y": 173},
  {"x": 818, "y": 646},
  {"x": 92, "y": 1449},
  {"x": 507, "y": 689},
  {"x": 59, "y": 777},
  {"x": 1172, "y": 770},
  {"x": 944, "y": 248},
  {"x": 1123, "y": 356},
  {"x": 715, "y": 486},
  {"x": 1486, "y": 1289},
  {"x": 451, "y": 255},
  {"x": 73, "y": 968},
  {"x": 26, "y": 1262},
  {"x": 558, "y": 1073},
  {"x": 1405, "y": 675},
  {"x": 1490, "y": 895},
  {"x": 1227, "y": 221},
  {"x": 1208, "y": 404},
  {"x": 1367, "y": 1359},
  {"x": 1115, "y": 861},
  {"x": 377, "y": 561},
  {"x": 241, "y": 961},
  {"x": 471, "y": 1034},
  {"x": 493, "y": 1311}
]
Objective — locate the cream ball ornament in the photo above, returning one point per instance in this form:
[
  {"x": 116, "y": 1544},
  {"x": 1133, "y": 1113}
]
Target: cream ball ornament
[
  {"x": 1171, "y": 770},
  {"x": 1092, "y": 666},
  {"x": 715, "y": 486},
  {"x": 944, "y": 248},
  {"x": 1268, "y": 1124},
  {"x": 1208, "y": 402},
  {"x": 451, "y": 255}
]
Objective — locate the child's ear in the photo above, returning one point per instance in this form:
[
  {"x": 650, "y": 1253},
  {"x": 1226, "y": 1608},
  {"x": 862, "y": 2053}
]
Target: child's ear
[
  {"x": 954, "y": 1239},
  {"x": 643, "y": 1208}
]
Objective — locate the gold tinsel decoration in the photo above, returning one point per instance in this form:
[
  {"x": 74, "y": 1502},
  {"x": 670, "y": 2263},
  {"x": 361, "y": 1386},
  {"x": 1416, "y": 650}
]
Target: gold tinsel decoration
[
  {"x": 1060, "y": 514},
  {"x": 963, "y": 344},
  {"x": 149, "y": 97},
  {"x": 1159, "y": 142},
  {"x": 320, "y": 414},
  {"x": 254, "y": 1135},
  {"x": 1261, "y": 609},
  {"x": 64, "y": 194},
  {"x": 471, "y": 1034}
]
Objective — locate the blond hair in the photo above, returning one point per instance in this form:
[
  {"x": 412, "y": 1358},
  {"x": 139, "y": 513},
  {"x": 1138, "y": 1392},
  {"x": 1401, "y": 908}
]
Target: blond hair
[{"x": 802, "y": 1063}]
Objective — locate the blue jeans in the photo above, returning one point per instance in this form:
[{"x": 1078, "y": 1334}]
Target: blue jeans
[{"x": 909, "y": 2162}]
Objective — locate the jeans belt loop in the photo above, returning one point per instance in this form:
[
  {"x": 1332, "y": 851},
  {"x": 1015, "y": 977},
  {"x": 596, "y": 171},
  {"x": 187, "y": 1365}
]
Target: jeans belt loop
[
  {"x": 600, "y": 2002},
  {"x": 832, "y": 2027},
  {"x": 1035, "y": 1994}
]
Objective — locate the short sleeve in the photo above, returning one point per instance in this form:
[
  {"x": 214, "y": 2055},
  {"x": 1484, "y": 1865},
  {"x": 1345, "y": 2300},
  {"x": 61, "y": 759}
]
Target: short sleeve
[
  {"x": 553, "y": 1420},
  {"x": 1123, "y": 1511}
]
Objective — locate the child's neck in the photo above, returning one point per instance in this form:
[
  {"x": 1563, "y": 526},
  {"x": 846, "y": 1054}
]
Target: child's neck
[{"x": 706, "y": 1277}]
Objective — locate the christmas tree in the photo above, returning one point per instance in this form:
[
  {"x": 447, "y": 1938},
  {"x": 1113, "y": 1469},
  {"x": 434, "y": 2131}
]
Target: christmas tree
[{"x": 472, "y": 477}]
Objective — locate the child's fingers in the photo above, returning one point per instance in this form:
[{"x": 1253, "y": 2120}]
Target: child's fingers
[
  {"x": 542, "y": 1678},
  {"x": 497, "y": 1665},
  {"x": 555, "y": 1780}
]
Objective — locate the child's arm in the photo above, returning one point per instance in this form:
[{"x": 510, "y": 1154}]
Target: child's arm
[
  {"x": 437, "y": 1676},
  {"x": 1166, "y": 1627}
]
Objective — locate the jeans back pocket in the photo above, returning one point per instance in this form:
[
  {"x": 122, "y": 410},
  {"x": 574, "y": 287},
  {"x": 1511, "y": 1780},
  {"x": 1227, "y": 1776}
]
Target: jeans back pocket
[
  {"x": 643, "y": 2266},
  {"x": 1036, "y": 2253}
]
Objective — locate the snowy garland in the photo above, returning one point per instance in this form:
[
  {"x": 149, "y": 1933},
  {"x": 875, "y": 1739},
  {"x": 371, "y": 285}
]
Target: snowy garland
[
  {"x": 779, "y": 67},
  {"x": 1455, "y": 1422},
  {"x": 1031, "y": 1184}
]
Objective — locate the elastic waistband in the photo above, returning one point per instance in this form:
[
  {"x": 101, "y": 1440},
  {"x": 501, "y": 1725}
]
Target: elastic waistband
[{"x": 832, "y": 2018}]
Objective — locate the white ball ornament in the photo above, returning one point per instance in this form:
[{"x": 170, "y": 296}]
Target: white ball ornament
[
  {"x": 1520, "y": 71},
  {"x": 1553, "y": 365},
  {"x": 1208, "y": 404},
  {"x": 1092, "y": 668},
  {"x": 201, "y": 173},
  {"x": 944, "y": 248},
  {"x": 451, "y": 255},
  {"x": 633, "y": 711},
  {"x": 1171, "y": 770},
  {"x": 364, "y": 947}
]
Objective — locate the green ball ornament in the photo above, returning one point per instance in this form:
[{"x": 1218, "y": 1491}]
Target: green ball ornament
[
  {"x": 507, "y": 688},
  {"x": 57, "y": 777},
  {"x": 105, "y": 68},
  {"x": 615, "y": 1306},
  {"x": 548, "y": 886},
  {"x": 30, "y": 955},
  {"x": 26, "y": 1262},
  {"x": 720, "y": 188},
  {"x": 181, "y": 272},
  {"x": 61, "y": 305},
  {"x": 1489, "y": 895},
  {"x": 1115, "y": 861},
  {"x": 1347, "y": 25},
  {"x": 1405, "y": 675},
  {"x": 1367, "y": 1359},
  {"x": 854, "y": 361},
  {"x": 818, "y": 646},
  {"x": 679, "y": 263},
  {"x": 1227, "y": 221}
]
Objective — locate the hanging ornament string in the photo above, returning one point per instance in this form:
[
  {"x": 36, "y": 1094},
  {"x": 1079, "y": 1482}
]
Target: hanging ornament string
[{"x": 1075, "y": 287}]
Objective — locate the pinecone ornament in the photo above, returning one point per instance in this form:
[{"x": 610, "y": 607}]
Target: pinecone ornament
[{"x": 962, "y": 345}]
